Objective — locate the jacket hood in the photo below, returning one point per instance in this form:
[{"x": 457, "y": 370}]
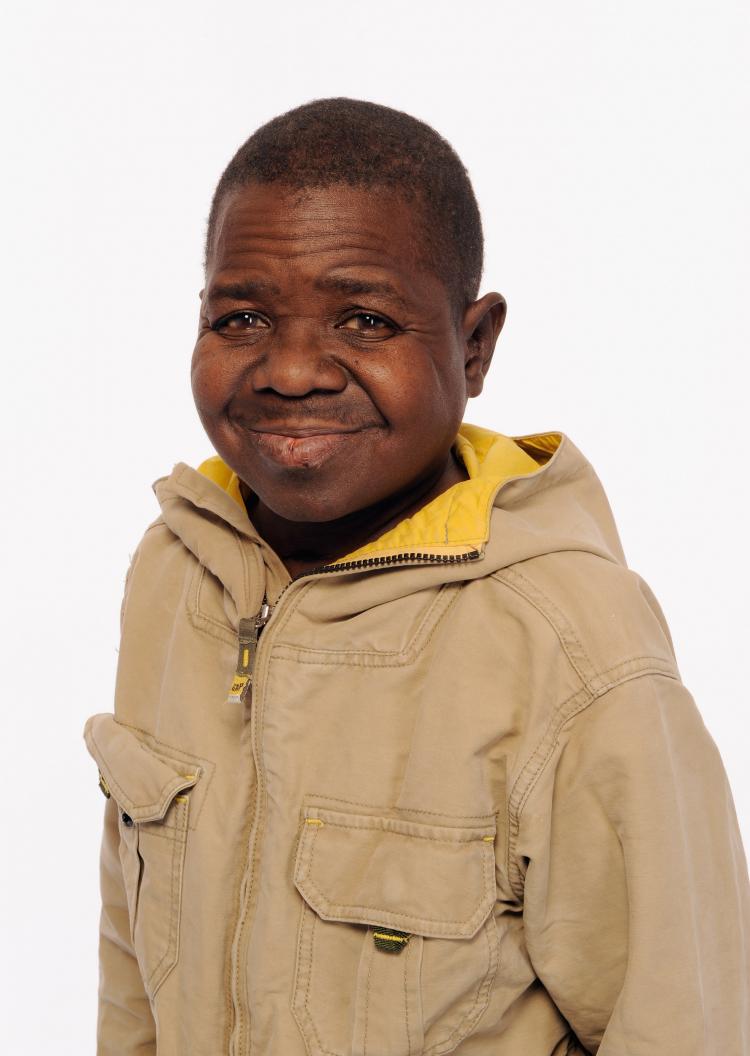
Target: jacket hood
[{"x": 525, "y": 496}]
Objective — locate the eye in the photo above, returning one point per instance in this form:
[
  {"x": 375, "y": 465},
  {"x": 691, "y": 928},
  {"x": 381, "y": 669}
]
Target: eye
[
  {"x": 368, "y": 323},
  {"x": 240, "y": 322}
]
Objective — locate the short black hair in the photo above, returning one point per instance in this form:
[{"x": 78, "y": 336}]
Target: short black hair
[{"x": 363, "y": 144}]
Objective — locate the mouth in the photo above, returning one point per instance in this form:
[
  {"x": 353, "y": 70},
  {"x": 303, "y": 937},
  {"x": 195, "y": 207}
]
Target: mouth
[{"x": 301, "y": 448}]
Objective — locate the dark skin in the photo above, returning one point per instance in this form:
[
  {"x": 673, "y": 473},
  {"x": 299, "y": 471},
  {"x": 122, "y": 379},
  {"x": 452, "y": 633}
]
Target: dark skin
[{"x": 330, "y": 371}]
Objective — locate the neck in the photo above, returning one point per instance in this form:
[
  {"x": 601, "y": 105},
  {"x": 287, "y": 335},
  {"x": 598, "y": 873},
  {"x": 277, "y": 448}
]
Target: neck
[{"x": 303, "y": 546}]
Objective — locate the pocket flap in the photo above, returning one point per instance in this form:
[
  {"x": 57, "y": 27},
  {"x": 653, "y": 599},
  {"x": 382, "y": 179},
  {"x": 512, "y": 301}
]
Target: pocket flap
[
  {"x": 431, "y": 880},
  {"x": 143, "y": 783}
]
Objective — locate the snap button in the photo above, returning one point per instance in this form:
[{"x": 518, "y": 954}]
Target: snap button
[
  {"x": 103, "y": 785},
  {"x": 126, "y": 819}
]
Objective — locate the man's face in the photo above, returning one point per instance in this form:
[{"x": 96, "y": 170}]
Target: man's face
[{"x": 329, "y": 372}]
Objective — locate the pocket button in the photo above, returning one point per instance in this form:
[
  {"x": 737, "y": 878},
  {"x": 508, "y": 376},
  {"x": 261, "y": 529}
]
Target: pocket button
[
  {"x": 390, "y": 941},
  {"x": 126, "y": 819}
]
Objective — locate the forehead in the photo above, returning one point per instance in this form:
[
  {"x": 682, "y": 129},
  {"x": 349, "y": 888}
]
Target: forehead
[{"x": 319, "y": 226}]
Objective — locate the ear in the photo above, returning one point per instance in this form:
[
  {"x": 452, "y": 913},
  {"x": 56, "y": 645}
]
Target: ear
[
  {"x": 200, "y": 295},
  {"x": 482, "y": 322}
]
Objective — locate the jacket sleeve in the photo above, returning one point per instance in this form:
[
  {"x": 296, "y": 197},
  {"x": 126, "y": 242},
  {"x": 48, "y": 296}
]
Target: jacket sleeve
[
  {"x": 125, "y": 1024},
  {"x": 636, "y": 900}
]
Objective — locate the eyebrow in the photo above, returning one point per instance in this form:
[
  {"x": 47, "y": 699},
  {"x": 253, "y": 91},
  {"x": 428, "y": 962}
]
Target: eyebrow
[
  {"x": 244, "y": 290},
  {"x": 341, "y": 284}
]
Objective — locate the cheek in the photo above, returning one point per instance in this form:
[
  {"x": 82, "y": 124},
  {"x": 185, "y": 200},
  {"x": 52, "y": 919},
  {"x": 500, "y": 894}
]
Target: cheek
[
  {"x": 211, "y": 378},
  {"x": 424, "y": 396}
]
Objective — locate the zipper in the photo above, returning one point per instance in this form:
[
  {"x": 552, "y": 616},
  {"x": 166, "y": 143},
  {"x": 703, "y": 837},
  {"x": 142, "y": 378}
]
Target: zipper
[
  {"x": 389, "y": 559},
  {"x": 249, "y": 632}
]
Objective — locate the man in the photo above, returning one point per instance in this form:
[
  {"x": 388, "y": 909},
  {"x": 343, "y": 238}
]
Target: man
[{"x": 401, "y": 760}]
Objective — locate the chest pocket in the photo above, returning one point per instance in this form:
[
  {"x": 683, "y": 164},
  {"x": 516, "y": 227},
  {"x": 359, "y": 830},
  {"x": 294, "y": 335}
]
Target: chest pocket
[
  {"x": 397, "y": 944},
  {"x": 153, "y": 794}
]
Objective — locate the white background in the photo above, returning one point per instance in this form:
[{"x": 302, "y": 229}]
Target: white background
[{"x": 608, "y": 146}]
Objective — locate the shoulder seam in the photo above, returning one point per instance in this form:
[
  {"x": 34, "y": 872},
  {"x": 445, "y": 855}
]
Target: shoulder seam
[
  {"x": 563, "y": 628},
  {"x": 533, "y": 768}
]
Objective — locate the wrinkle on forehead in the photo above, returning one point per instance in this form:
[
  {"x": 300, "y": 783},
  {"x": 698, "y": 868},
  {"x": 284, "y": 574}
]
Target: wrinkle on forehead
[
  {"x": 249, "y": 232},
  {"x": 247, "y": 225}
]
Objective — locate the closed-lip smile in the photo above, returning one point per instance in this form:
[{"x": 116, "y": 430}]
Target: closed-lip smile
[
  {"x": 299, "y": 432},
  {"x": 300, "y": 447}
]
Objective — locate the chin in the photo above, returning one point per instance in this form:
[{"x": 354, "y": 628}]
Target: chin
[
  {"x": 305, "y": 504},
  {"x": 314, "y": 511}
]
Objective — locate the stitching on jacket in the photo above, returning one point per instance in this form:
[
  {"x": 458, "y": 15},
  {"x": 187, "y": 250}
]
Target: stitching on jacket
[
  {"x": 151, "y": 831},
  {"x": 487, "y": 862},
  {"x": 482, "y": 995},
  {"x": 185, "y": 485},
  {"x": 311, "y": 1021},
  {"x": 244, "y": 565},
  {"x": 158, "y": 523},
  {"x": 206, "y": 768},
  {"x": 367, "y": 1003},
  {"x": 199, "y": 580},
  {"x": 370, "y": 658},
  {"x": 292, "y": 608},
  {"x": 406, "y": 810},
  {"x": 206, "y": 628},
  {"x": 118, "y": 787},
  {"x": 449, "y": 514},
  {"x": 659, "y": 666},
  {"x": 479, "y": 914},
  {"x": 204, "y": 771},
  {"x": 557, "y": 619},
  {"x": 399, "y": 657},
  {"x": 182, "y": 477},
  {"x": 201, "y": 620},
  {"x": 407, "y": 771},
  {"x": 198, "y": 617},
  {"x": 578, "y": 702},
  {"x": 407, "y": 962},
  {"x": 238, "y": 874},
  {"x": 298, "y": 966},
  {"x": 394, "y": 832},
  {"x": 178, "y": 852},
  {"x": 346, "y": 660},
  {"x": 568, "y": 710},
  {"x": 308, "y": 969}
]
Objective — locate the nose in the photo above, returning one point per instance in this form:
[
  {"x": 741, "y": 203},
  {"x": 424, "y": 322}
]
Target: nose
[{"x": 296, "y": 363}]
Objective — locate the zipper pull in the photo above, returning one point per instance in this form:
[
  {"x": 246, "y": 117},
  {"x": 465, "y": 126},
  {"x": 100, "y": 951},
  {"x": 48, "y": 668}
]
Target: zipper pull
[{"x": 248, "y": 633}]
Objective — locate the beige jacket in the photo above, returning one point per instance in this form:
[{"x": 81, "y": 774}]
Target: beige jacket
[{"x": 454, "y": 798}]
